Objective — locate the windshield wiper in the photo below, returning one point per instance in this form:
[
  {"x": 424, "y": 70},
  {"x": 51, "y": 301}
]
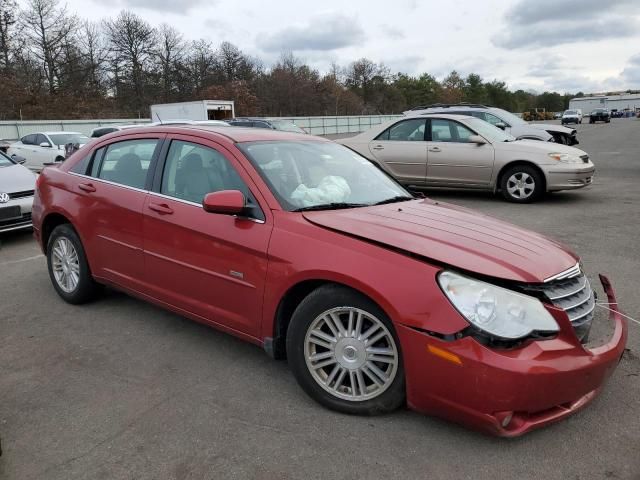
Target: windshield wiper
[
  {"x": 399, "y": 198},
  {"x": 331, "y": 206}
]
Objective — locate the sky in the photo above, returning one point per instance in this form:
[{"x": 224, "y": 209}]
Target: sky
[{"x": 540, "y": 45}]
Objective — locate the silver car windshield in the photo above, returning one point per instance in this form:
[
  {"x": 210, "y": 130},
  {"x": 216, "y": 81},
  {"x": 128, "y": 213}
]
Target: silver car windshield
[
  {"x": 4, "y": 161},
  {"x": 318, "y": 175},
  {"x": 510, "y": 118},
  {"x": 64, "y": 138},
  {"x": 488, "y": 131}
]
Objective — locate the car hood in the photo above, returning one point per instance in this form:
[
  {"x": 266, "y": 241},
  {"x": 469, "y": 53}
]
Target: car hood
[
  {"x": 549, "y": 127},
  {"x": 16, "y": 178},
  {"x": 453, "y": 236},
  {"x": 536, "y": 147}
]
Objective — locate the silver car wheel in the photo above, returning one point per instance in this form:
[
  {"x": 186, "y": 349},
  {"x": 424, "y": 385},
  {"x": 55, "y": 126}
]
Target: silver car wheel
[
  {"x": 521, "y": 185},
  {"x": 351, "y": 354},
  {"x": 65, "y": 264}
]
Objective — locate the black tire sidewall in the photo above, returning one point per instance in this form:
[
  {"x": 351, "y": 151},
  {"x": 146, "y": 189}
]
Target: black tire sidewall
[
  {"x": 86, "y": 287},
  {"x": 539, "y": 182},
  {"x": 321, "y": 300}
]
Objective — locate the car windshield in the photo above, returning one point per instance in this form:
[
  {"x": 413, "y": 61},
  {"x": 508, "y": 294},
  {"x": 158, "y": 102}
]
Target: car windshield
[
  {"x": 64, "y": 138},
  {"x": 488, "y": 131},
  {"x": 570, "y": 112},
  {"x": 321, "y": 175},
  {"x": 508, "y": 117},
  {"x": 4, "y": 161},
  {"x": 286, "y": 126}
]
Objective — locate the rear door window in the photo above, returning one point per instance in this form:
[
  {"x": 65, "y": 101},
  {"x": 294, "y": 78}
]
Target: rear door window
[
  {"x": 405, "y": 131},
  {"x": 40, "y": 139},
  {"x": 126, "y": 163},
  {"x": 29, "y": 139}
]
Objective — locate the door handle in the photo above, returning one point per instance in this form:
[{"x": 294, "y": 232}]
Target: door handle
[
  {"x": 161, "y": 208},
  {"x": 435, "y": 149},
  {"x": 378, "y": 147},
  {"x": 87, "y": 187}
]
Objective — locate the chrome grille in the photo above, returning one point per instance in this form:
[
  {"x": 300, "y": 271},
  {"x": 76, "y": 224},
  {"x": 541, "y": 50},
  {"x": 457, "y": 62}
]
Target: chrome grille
[
  {"x": 575, "y": 296},
  {"x": 25, "y": 194}
]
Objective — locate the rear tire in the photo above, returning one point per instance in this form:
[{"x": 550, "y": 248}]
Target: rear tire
[
  {"x": 522, "y": 184},
  {"x": 68, "y": 267},
  {"x": 364, "y": 374}
]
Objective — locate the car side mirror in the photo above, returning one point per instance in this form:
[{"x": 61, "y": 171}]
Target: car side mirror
[
  {"x": 477, "y": 139},
  {"x": 501, "y": 125},
  {"x": 226, "y": 202},
  {"x": 45, "y": 145},
  {"x": 19, "y": 159}
]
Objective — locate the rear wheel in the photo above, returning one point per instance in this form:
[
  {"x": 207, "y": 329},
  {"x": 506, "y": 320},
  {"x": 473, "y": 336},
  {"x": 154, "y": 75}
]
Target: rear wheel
[
  {"x": 68, "y": 267},
  {"x": 522, "y": 184},
  {"x": 343, "y": 351}
]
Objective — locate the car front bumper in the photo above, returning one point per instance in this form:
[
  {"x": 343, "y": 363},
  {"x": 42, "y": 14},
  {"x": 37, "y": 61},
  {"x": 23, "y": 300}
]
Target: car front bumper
[
  {"x": 17, "y": 222},
  {"x": 509, "y": 392},
  {"x": 569, "y": 176}
]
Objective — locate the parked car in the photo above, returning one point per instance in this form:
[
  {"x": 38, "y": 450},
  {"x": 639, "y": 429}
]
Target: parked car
[
  {"x": 571, "y": 116},
  {"x": 557, "y": 115},
  {"x": 45, "y": 148},
  {"x": 17, "y": 185},
  {"x": 101, "y": 131},
  {"x": 459, "y": 151},
  {"x": 600, "y": 115},
  {"x": 304, "y": 247},
  {"x": 510, "y": 123},
  {"x": 282, "y": 125}
]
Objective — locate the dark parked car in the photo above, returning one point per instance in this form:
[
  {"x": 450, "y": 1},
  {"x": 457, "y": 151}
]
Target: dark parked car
[
  {"x": 282, "y": 125},
  {"x": 600, "y": 115}
]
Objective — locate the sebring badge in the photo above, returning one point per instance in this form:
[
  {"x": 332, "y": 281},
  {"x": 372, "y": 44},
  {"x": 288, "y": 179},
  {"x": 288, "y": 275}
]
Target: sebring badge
[{"x": 4, "y": 197}]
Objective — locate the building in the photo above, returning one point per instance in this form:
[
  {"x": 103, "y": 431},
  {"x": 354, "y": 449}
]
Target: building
[{"x": 625, "y": 101}]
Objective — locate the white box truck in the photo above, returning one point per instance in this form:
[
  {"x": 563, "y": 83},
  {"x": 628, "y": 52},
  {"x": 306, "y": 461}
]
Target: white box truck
[{"x": 198, "y": 110}]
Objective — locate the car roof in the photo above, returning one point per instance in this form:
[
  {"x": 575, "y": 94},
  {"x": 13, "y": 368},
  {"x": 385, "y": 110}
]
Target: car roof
[
  {"x": 451, "y": 116},
  {"x": 231, "y": 133},
  {"x": 56, "y": 133}
]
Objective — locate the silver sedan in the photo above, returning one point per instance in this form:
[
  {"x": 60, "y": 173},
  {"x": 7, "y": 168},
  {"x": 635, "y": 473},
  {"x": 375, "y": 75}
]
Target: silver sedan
[
  {"x": 458, "y": 151},
  {"x": 17, "y": 185}
]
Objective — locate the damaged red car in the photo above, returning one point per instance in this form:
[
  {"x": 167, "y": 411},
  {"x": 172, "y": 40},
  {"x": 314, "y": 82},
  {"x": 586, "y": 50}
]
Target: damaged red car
[{"x": 303, "y": 247}]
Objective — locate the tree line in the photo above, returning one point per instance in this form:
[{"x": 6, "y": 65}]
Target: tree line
[{"x": 55, "y": 65}]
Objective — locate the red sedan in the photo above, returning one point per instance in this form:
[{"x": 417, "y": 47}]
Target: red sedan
[{"x": 303, "y": 247}]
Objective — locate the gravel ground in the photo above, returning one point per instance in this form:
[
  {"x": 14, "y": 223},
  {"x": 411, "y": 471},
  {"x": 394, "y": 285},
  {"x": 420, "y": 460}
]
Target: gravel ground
[{"x": 122, "y": 389}]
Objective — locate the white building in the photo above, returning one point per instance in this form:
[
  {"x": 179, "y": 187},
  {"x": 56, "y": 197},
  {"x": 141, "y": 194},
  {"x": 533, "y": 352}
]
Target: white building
[{"x": 610, "y": 102}]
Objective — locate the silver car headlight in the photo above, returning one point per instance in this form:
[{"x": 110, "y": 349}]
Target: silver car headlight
[
  {"x": 495, "y": 310},
  {"x": 565, "y": 157}
]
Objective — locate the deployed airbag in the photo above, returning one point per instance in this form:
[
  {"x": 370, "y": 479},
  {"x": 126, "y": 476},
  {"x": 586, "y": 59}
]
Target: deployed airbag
[{"x": 331, "y": 189}]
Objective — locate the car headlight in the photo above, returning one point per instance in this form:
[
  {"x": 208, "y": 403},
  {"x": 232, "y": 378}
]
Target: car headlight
[
  {"x": 565, "y": 157},
  {"x": 495, "y": 310}
]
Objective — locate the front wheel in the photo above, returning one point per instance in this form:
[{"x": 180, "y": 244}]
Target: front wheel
[
  {"x": 522, "y": 184},
  {"x": 344, "y": 353},
  {"x": 68, "y": 266}
]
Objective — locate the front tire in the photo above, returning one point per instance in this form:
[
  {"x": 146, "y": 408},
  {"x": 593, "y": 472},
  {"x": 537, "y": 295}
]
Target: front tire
[
  {"x": 344, "y": 353},
  {"x": 522, "y": 184},
  {"x": 68, "y": 267}
]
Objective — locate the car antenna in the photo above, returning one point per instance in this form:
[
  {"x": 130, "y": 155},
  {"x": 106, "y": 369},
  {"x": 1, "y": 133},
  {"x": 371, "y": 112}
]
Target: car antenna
[{"x": 159, "y": 119}]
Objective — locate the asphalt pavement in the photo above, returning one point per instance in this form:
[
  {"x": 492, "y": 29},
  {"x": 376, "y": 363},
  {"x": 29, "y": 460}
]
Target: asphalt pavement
[{"x": 122, "y": 389}]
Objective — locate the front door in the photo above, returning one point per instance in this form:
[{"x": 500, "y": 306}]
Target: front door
[
  {"x": 453, "y": 160},
  {"x": 402, "y": 150},
  {"x": 210, "y": 265}
]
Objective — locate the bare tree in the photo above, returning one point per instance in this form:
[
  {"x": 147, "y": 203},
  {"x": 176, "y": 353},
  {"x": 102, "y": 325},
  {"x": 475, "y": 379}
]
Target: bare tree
[
  {"x": 170, "y": 53},
  {"x": 8, "y": 9},
  {"x": 48, "y": 28},
  {"x": 92, "y": 46},
  {"x": 201, "y": 63},
  {"x": 132, "y": 42}
]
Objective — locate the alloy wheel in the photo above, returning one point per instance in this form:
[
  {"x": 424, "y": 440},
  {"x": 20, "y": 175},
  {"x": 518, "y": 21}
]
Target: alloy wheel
[
  {"x": 66, "y": 264},
  {"x": 351, "y": 354},
  {"x": 521, "y": 185}
]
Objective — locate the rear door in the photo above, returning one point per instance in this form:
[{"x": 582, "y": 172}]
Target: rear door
[
  {"x": 111, "y": 192},
  {"x": 402, "y": 149},
  {"x": 453, "y": 160},
  {"x": 211, "y": 265}
]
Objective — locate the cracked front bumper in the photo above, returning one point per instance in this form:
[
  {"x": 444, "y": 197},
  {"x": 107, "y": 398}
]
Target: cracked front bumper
[{"x": 510, "y": 392}]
